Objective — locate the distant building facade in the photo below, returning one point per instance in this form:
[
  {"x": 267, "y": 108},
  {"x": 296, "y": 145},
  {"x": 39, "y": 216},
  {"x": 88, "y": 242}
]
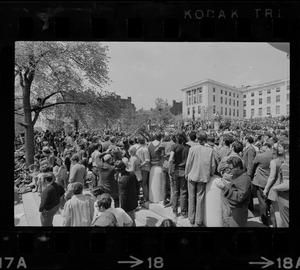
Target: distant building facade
[
  {"x": 267, "y": 99},
  {"x": 203, "y": 99}
]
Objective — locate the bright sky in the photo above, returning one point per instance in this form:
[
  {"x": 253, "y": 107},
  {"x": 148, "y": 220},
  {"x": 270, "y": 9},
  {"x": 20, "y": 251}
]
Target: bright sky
[{"x": 148, "y": 70}]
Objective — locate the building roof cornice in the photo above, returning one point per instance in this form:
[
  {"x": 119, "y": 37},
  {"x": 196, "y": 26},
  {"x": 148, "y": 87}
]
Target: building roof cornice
[{"x": 209, "y": 81}]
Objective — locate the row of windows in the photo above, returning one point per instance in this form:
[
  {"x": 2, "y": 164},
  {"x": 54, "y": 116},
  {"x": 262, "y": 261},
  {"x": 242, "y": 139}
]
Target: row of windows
[
  {"x": 214, "y": 111},
  {"x": 268, "y": 100},
  {"x": 277, "y": 110},
  {"x": 229, "y": 93},
  {"x": 229, "y": 101},
  {"x": 268, "y": 91}
]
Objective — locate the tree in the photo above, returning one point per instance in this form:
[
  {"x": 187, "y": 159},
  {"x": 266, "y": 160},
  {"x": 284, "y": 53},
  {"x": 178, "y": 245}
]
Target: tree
[
  {"x": 161, "y": 114},
  {"x": 49, "y": 74}
]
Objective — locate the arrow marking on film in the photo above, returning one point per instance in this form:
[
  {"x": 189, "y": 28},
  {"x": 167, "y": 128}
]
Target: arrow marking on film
[
  {"x": 266, "y": 262},
  {"x": 136, "y": 261}
]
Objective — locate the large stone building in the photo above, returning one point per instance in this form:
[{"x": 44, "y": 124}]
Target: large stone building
[
  {"x": 271, "y": 98},
  {"x": 203, "y": 99}
]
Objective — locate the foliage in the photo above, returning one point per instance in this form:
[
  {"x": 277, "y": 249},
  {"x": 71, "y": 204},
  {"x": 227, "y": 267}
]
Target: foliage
[{"x": 161, "y": 114}]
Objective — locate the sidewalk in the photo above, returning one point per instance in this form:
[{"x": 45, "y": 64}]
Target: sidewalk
[{"x": 27, "y": 214}]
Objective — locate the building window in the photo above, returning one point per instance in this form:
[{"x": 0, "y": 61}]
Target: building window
[
  {"x": 277, "y": 109},
  {"x": 244, "y": 113},
  {"x": 190, "y": 101},
  {"x": 225, "y": 93},
  {"x": 252, "y": 101},
  {"x": 278, "y": 89},
  {"x": 252, "y": 94},
  {"x": 237, "y": 113},
  {"x": 221, "y": 91},
  {"x": 188, "y": 111},
  {"x": 288, "y": 109},
  {"x": 260, "y": 101},
  {"x": 214, "y": 98},
  {"x": 200, "y": 98},
  {"x": 221, "y": 99},
  {"x": 268, "y": 100},
  {"x": 288, "y": 97},
  {"x": 233, "y": 94},
  {"x": 221, "y": 110},
  {"x": 233, "y": 112},
  {"x": 268, "y": 110},
  {"x": 225, "y": 100},
  {"x": 287, "y": 87},
  {"x": 252, "y": 112},
  {"x": 214, "y": 89},
  {"x": 230, "y": 94},
  {"x": 234, "y": 102},
  {"x": 214, "y": 109},
  {"x": 237, "y": 103},
  {"x": 229, "y": 112},
  {"x": 245, "y": 103},
  {"x": 199, "y": 110},
  {"x": 237, "y": 95},
  {"x": 245, "y": 96},
  {"x": 199, "y": 90},
  {"x": 260, "y": 111},
  {"x": 269, "y": 91},
  {"x": 193, "y": 110},
  {"x": 230, "y": 101},
  {"x": 195, "y": 99},
  {"x": 225, "y": 111},
  {"x": 260, "y": 93},
  {"x": 278, "y": 98}
]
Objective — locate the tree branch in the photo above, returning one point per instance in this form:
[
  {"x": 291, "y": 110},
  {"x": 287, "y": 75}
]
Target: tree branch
[
  {"x": 23, "y": 124},
  {"x": 65, "y": 102},
  {"x": 36, "y": 115}
]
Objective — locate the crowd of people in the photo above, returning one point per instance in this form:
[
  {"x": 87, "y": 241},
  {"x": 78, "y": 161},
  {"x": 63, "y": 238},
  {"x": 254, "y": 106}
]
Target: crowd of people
[{"x": 103, "y": 178}]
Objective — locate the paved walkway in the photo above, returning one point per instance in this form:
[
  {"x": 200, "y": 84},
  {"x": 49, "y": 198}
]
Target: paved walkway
[{"x": 27, "y": 214}]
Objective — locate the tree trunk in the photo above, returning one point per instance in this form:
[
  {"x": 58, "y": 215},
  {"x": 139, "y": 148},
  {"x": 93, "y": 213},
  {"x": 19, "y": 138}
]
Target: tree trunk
[{"x": 29, "y": 133}]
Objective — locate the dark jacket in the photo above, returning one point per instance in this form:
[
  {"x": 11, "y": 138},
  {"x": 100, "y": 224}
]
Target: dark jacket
[
  {"x": 127, "y": 191},
  {"x": 238, "y": 192},
  {"x": 107, "y": 179},
  {"x": 50, "y": 196}
]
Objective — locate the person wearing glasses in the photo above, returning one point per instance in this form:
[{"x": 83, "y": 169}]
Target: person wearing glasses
[{"x": 236, "y": 194}]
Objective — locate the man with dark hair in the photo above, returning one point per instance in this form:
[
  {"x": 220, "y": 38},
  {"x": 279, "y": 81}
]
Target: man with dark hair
[
  {"x": 193, "y": 137},
  {"x": 178, "y": 157},
  {"x": 225, "y": 149},
  {"x": 249, "y": 154},
  {"x": 144, "y": 155},
  {"x": 104, "y": 204},
  {"x": 79, "y": 210},
  {"x": 107, "y": 178},
  {"x": 260, "y": 175},
  {"x": 77, "y": 170},
  {"x": 200, "y": 166},
  {"x": 237, "y": 148},
  {"x": 106, "y": 143},
  {"x": 127, "y": 190},
  {"x": 236, "y": 194},
  {"x": 51, "y": 198}
]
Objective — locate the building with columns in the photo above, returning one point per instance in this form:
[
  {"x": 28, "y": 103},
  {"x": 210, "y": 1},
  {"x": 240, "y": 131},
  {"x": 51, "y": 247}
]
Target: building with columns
[{"x": 203, "y": 99}]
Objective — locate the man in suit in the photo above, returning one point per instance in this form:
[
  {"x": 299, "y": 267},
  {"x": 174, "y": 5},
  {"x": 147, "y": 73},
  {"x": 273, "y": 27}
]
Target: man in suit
[
  {"x": 249, "y": 154},
  {"x": 200, "y": 166},
  {"x": 260, "y": 175}
]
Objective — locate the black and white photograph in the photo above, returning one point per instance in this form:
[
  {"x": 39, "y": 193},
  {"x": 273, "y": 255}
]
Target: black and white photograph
[{"x": 151, "y": 134}]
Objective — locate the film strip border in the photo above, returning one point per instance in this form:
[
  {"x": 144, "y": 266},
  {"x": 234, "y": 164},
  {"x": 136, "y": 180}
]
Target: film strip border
[
  {"x": 148, "y": 21},
  {"x": 162, "y": 249}
]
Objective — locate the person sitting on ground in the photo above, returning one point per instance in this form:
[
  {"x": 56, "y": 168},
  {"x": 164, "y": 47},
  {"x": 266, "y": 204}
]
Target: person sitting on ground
[{"x": 104, "y": 205}]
